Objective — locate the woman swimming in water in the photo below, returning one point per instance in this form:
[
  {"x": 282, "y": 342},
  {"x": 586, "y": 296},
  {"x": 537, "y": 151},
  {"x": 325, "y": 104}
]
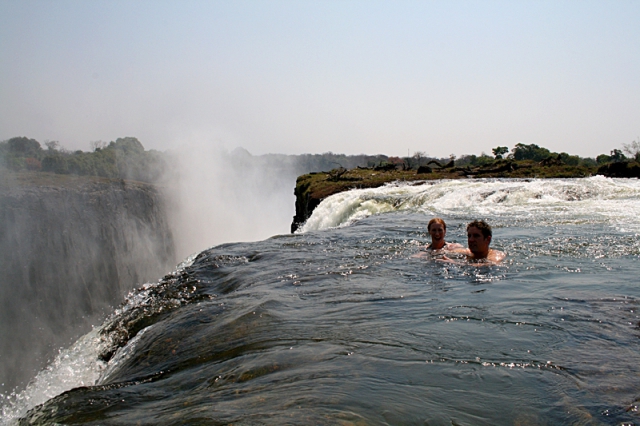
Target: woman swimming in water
[{"x": 437, "y": 229}]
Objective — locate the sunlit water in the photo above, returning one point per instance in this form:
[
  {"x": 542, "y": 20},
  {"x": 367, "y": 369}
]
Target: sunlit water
[{"x": 342, "y": 325}]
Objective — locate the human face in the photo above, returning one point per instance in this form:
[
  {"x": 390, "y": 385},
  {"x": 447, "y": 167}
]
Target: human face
[
  {"x": 478, "y": 244},
  {"x": 437, "y": 232}
]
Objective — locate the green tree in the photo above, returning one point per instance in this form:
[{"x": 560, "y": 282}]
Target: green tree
[
  {"x": 530, "y": 152},
  {"x": 15, "y": 151},
  {"x": 127, "y": 145},
  {"x": 475, "y": 160},
  {"x": 570, "y": 160},
  {"x": 588, "y": 162},
  {"x": 56, "y": 163},
  {"x": 617, "y": 156},
  {"x": 105, "y": 163},
  {"x": 499, "y": 151},
  {"x": 603, "y": 159},
  {"x": 25, "y": 147},
  {"x": 52, "y": 145}
]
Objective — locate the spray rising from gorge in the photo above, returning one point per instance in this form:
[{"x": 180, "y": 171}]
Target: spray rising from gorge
[{"x": 81, "y": 230}]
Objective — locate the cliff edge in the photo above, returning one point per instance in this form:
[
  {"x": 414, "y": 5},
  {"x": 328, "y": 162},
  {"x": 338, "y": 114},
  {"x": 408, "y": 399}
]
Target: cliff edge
[{"x": 71, "y": 247}]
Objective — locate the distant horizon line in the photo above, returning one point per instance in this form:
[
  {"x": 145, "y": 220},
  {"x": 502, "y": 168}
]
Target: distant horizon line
[{"x": 238, "y": 148}]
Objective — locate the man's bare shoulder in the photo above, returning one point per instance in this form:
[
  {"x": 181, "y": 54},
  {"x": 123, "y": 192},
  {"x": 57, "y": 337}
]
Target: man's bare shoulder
[{"x": 496, "y": 256}]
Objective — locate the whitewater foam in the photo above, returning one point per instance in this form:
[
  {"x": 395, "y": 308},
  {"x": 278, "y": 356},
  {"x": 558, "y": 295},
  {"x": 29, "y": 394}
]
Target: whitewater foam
[
  {"x": 76, "y": 366},
  {"x": 79, "y": 365},
  {"x": 614, "y": 202}
]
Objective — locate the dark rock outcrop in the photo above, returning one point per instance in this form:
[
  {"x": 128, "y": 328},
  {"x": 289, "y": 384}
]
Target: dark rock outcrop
[
  {"x": 305, "y": 202},
  {"x": 70, "y": 249},
  {"x": 623, "y": 169},
  {"x": 449, "y": 165},
  {"x": 385, "y": 167},
  {"x": 501, "y": 166}
]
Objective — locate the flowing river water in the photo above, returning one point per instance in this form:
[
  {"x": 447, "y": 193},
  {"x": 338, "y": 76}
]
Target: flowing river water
[{"x": 341, "y": 324}]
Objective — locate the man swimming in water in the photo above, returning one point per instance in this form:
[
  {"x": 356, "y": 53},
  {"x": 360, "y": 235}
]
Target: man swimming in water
[{"x": 479, "y": 237}]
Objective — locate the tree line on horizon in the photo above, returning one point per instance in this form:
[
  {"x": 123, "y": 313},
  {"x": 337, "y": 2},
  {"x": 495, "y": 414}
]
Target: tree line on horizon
[{"x": 126, "y": 158}]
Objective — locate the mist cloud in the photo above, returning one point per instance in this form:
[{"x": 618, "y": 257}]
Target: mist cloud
[{"x": 215, "y": 196}]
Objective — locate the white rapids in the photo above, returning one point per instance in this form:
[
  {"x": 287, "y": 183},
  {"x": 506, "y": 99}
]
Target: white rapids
[{"x": 613, "y": 202}]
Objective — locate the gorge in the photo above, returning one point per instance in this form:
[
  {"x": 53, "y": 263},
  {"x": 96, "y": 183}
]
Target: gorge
[{"x": 71, "y": 248}]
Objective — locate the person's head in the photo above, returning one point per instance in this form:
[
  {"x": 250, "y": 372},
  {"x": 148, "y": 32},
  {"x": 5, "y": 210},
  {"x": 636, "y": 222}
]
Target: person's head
[
  {"x": 483, "y": 226},
  {"x": 436, "y": 220},
  {"x": 437, "y": 228},
  {"x": 479, "y": 237}
]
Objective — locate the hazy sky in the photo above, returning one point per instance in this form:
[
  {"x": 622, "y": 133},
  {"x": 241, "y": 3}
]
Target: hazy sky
[{"x": 296, "y": 77}]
